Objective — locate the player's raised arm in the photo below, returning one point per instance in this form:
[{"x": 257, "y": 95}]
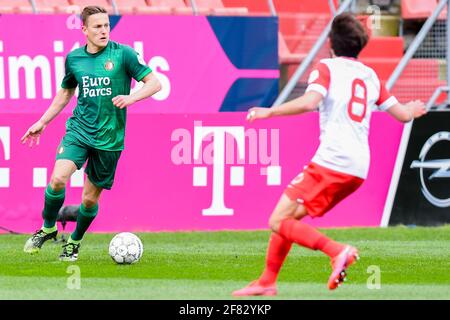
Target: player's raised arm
[
  {"x": 150, "y": 87},
  {"x": 306, "y": 103},
  {"x": 61, "y": 99}
]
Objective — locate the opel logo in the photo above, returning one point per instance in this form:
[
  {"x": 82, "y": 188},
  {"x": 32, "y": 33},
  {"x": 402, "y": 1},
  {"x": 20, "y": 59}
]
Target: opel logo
[{"x": 441, "y": 168}]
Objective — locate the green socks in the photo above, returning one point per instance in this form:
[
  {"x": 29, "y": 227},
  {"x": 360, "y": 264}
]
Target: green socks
[
  {"x": 73, "y": 241},
  {"x": 49, "y": 230},
  {"x": 53, "y": 202},
  {"x": 84, "y": 220}
]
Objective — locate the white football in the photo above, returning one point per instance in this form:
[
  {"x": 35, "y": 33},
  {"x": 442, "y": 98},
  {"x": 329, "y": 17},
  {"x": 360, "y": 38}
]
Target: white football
[{"x": 126, "y": 248}]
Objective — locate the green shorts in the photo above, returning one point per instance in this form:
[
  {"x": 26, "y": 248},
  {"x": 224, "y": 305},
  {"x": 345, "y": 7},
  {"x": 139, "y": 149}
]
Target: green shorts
[{"x": 101, "y": 165}]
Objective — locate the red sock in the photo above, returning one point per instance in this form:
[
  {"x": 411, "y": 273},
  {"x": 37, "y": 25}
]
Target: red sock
[
  {"x": 276, "y": 253},
  {"x": 307, "y": 236}
]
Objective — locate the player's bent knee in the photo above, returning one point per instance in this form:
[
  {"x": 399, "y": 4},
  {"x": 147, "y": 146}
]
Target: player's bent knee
[
  {"x": 58, "y": 182},
  {"x": 89, "y": 202},
  {"x": 274, "y": 224}
]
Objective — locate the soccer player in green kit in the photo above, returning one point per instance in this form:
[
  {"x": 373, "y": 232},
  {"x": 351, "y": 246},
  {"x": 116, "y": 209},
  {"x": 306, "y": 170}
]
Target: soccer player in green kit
[{"x": 102, "y": 69}]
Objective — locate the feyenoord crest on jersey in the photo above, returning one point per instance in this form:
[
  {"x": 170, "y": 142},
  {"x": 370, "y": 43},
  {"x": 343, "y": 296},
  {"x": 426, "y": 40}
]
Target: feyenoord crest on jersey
[{"x": 109, "y": 65}]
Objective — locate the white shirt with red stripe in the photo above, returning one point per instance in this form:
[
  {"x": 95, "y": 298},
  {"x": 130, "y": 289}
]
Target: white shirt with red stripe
[{"x": 351, "y": 92}]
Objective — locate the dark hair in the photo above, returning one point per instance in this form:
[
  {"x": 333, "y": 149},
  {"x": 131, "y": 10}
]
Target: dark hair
[
  {"x": 89, "y": 11},
  {"x": 348, "y": 36}
]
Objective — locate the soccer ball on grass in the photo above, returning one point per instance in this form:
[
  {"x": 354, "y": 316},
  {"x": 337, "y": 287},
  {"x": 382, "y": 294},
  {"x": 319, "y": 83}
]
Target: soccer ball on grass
[{"x": 126, "y": 248}]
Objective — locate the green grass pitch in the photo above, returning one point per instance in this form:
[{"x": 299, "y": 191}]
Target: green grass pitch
[{"x": 414, "y": 264}]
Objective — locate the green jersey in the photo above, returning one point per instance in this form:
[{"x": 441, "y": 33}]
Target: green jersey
[{"x": 100, "y": 77}]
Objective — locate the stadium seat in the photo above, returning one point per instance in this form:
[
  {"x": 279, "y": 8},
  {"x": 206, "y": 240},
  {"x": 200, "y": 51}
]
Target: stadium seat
[
  {"x": 420, "y": 9},
  {"x": 301, "y": 44},
  {"x": 416, "y": 68},
  {"x": 304, "y": 6},
  {"x": 285, "y": 55},
  {"x": 302, "y": 30},
  {"x": 140, "y": 7},
  {"x": 15, "y": 6},
  {"x": 425, "y": 68},
  {"x": 51, "y": 6},
  {"x": 386, "y": 47},
  {"x": 417, "y": 81},
  {"x": 107, "y": 4},
  {"x": 417, "y": 88},
  {"x": 302, "y": 23},
  {"x": 178, "y": 7},
  {"x": 255, "y": 8},
  {"x": 299, "y": 32},
  {"x": 216, "y": 7},
  {"x": 382, "y": 66},
  {"x": 129, "y": 6}
]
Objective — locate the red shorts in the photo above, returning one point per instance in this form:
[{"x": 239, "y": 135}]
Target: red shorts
[{"x": 319, "y": 189}]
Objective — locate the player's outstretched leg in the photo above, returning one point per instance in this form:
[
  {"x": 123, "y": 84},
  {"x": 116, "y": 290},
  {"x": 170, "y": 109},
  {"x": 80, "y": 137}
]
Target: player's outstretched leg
[
  {"x": 277, "y": 251},
  {"x": 87, "y": 213},
  {"x": 34, "y": 244},
  {"x": 54, "y": 199},
  {"x": 84, "y": 220},
  {"x": 342, "y": 256},
  {"x": 339, "y": 264}
]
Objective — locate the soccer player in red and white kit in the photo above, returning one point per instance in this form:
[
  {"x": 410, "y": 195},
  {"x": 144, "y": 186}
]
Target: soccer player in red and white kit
[{"x": 344, "y": 91}]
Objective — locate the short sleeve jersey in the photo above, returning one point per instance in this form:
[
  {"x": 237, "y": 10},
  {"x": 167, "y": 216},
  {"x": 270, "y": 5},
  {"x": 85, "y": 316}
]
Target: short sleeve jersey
[
  {"x": 100, "y": 77},
  {"x": 351, "y": 90}
]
